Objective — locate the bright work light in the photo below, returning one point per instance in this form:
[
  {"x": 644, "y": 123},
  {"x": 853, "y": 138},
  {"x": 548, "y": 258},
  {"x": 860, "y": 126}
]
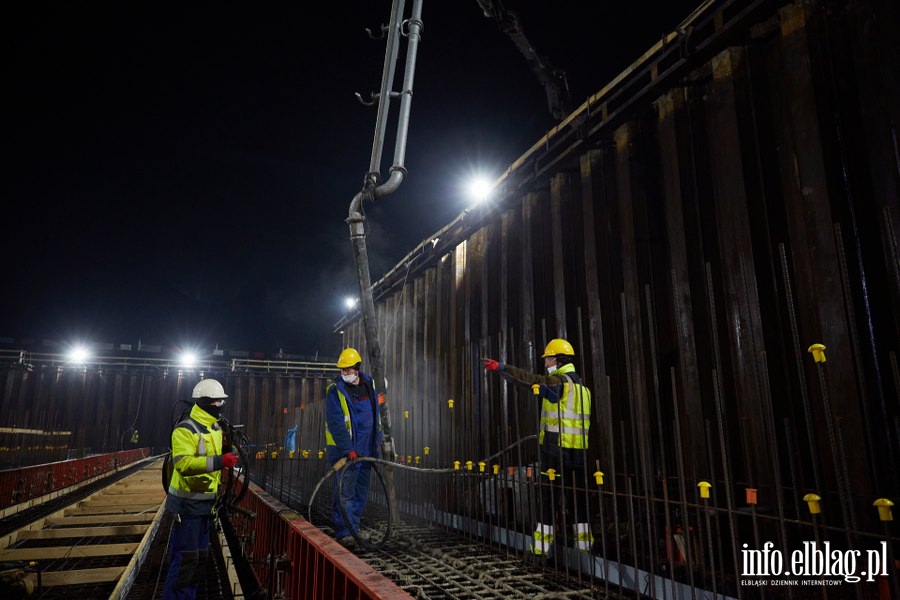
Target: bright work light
[
  {"x": 78, "y": 354},
  {"x": 480, "y": 188},
  {"x": 187, "y": 359}
]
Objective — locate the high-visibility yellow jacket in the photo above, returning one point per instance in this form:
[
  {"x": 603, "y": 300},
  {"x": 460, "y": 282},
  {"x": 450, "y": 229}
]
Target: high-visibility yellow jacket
[
  {"x": 197, "y": 462},
  {"x": 568, "y": 413},
  {"x": 565, "y": 405}
]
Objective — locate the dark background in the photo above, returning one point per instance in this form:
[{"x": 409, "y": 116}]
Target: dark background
[{"x": 180, "y": 174}]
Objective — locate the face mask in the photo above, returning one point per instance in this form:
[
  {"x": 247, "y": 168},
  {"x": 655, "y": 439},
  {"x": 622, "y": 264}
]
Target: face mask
[
  {"x": 349, "y": 378},
  {"x": 213, "y": 409},
  {"x": 550, "y": 370}
]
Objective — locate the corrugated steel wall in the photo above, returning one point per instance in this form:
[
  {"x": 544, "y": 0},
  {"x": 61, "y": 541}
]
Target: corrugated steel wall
[
  {"x": 89, "y": 410},
  {"x": 692, "y": 230}
]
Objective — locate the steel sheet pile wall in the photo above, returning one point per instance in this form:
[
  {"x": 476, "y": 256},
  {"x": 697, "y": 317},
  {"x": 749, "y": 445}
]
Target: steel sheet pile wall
[
  {"x": 78, "y": 411},
  {"x": 692, "y": 230},
  {"x": 52, "y": 412}
]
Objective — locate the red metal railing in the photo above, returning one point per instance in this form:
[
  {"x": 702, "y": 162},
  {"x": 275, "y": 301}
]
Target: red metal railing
[
  {"x": 292, "y": 557},
  {"x": 27, "y": 483}
]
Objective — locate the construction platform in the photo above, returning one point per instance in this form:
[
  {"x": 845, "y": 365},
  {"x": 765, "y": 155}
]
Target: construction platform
[{"x": 106, "y": 537}]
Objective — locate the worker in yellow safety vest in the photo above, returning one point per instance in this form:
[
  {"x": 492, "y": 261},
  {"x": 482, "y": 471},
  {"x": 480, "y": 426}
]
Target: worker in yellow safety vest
[
  {"x": 197, "y": 459},
  {"x": 352, "y": 430},
  {"x": 563, "y": 438}
]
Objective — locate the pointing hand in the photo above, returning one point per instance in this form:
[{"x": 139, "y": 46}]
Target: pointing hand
[{"x": 491, "y": 365}]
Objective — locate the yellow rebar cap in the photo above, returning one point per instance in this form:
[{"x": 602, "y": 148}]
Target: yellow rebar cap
[
  {"x": 818, "y": 352},
  {"x": 704, "y": 488},
  {"x": 813, "y": 501},
  {"x": 884, "y": 509}
]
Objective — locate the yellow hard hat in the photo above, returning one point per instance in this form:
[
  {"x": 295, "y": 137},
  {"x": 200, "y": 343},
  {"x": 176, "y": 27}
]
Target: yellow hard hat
[
  {"x": 557, "y": 347},
  {"x": 348, "y": 358}
]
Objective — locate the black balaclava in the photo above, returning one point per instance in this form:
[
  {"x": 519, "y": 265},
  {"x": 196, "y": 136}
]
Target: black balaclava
[{"x": 209, "y": 405}]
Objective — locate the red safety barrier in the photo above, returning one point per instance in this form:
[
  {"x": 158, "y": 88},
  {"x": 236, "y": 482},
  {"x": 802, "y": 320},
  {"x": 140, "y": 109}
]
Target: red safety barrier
[
  {"x": 291, "y": 557},
  {"x": 27, "y": 483}
]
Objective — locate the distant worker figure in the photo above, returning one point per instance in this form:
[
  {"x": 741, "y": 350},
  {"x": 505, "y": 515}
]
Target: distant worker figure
[
  {"x": 135, "y": 437},
  {"x": 197, "y": 460},
  {"x": 563, "y": 438},
  {"x": 352, "y": 429}
]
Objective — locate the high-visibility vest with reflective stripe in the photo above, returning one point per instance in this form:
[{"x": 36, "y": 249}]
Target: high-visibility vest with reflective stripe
[
  {"x": 345, "y": 408},
  {"x": 584, "y": 539},
  {"x": 542, "y": 540},
  {"x": 195, "y": 476},
  {"x": 571, "y": 416}
]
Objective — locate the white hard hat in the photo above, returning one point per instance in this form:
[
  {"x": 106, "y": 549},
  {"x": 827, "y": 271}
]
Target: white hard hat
[{"x": 209, "y": 388}]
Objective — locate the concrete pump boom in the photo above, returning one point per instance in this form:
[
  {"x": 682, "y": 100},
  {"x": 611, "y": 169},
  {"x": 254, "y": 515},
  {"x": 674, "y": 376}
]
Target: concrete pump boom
[
  {"x": 554, "y": 81},
  {"x": 411, "y": 29}
]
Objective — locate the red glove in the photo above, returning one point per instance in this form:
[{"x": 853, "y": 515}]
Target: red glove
[
  {"x": 491, "y": 365},
  {"x": 352, "y": 455},
  {"x": 229, "y": 460}
]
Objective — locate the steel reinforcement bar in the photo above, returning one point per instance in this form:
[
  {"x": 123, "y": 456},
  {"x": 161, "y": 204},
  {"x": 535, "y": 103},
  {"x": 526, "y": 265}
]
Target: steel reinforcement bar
[{"x": 291, "y": 558}]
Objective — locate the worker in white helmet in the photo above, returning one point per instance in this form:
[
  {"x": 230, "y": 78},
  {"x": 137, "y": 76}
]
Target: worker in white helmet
[{"x": 198, "y": 459}]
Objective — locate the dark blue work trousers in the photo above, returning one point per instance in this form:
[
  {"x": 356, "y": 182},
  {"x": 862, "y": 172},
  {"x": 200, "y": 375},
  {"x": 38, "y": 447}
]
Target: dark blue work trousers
[
  {"x": 354, "y": 491},
  {"x": 188, "y": 549}
]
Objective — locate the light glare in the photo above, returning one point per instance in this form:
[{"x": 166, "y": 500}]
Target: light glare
[
  {"x": 349, "y": 302},
  {"x": 480, "y": 188},
  {"x": 188, "y": 359},
  {"x": 78, "y": 354}
]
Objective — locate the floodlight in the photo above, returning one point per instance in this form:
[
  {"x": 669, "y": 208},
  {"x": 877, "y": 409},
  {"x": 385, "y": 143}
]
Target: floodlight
[
  {"x": 349, "y": 302},
  {"x": 187, "y": 359},
  {"x": 480, "y": 188},
  {"x": 78, "y": 354}
]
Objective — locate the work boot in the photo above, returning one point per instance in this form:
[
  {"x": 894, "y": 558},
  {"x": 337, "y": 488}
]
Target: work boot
[
  {"x": 347, "y": 541},
  {"x": 546, "y": 560}
]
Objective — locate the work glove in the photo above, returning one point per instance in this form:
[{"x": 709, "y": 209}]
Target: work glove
[
  {"x": 492, "y": 365},
  {"x": 229, "y": 460},
  {"x": 352, "y": 455}
]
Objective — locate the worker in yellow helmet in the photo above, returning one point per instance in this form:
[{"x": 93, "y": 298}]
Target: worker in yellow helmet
[
  {"x": 563, "y": 438},
  {"x": 352, "y": 429}
]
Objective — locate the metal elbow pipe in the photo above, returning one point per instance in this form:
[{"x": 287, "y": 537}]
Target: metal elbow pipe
[
  {"x": 355, "y": 217},
  {"x": 390, "y": 186}
]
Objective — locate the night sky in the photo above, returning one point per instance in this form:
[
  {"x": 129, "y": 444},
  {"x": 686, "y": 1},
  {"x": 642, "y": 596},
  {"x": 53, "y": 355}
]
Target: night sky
[{"x": 179, "y": 173}]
